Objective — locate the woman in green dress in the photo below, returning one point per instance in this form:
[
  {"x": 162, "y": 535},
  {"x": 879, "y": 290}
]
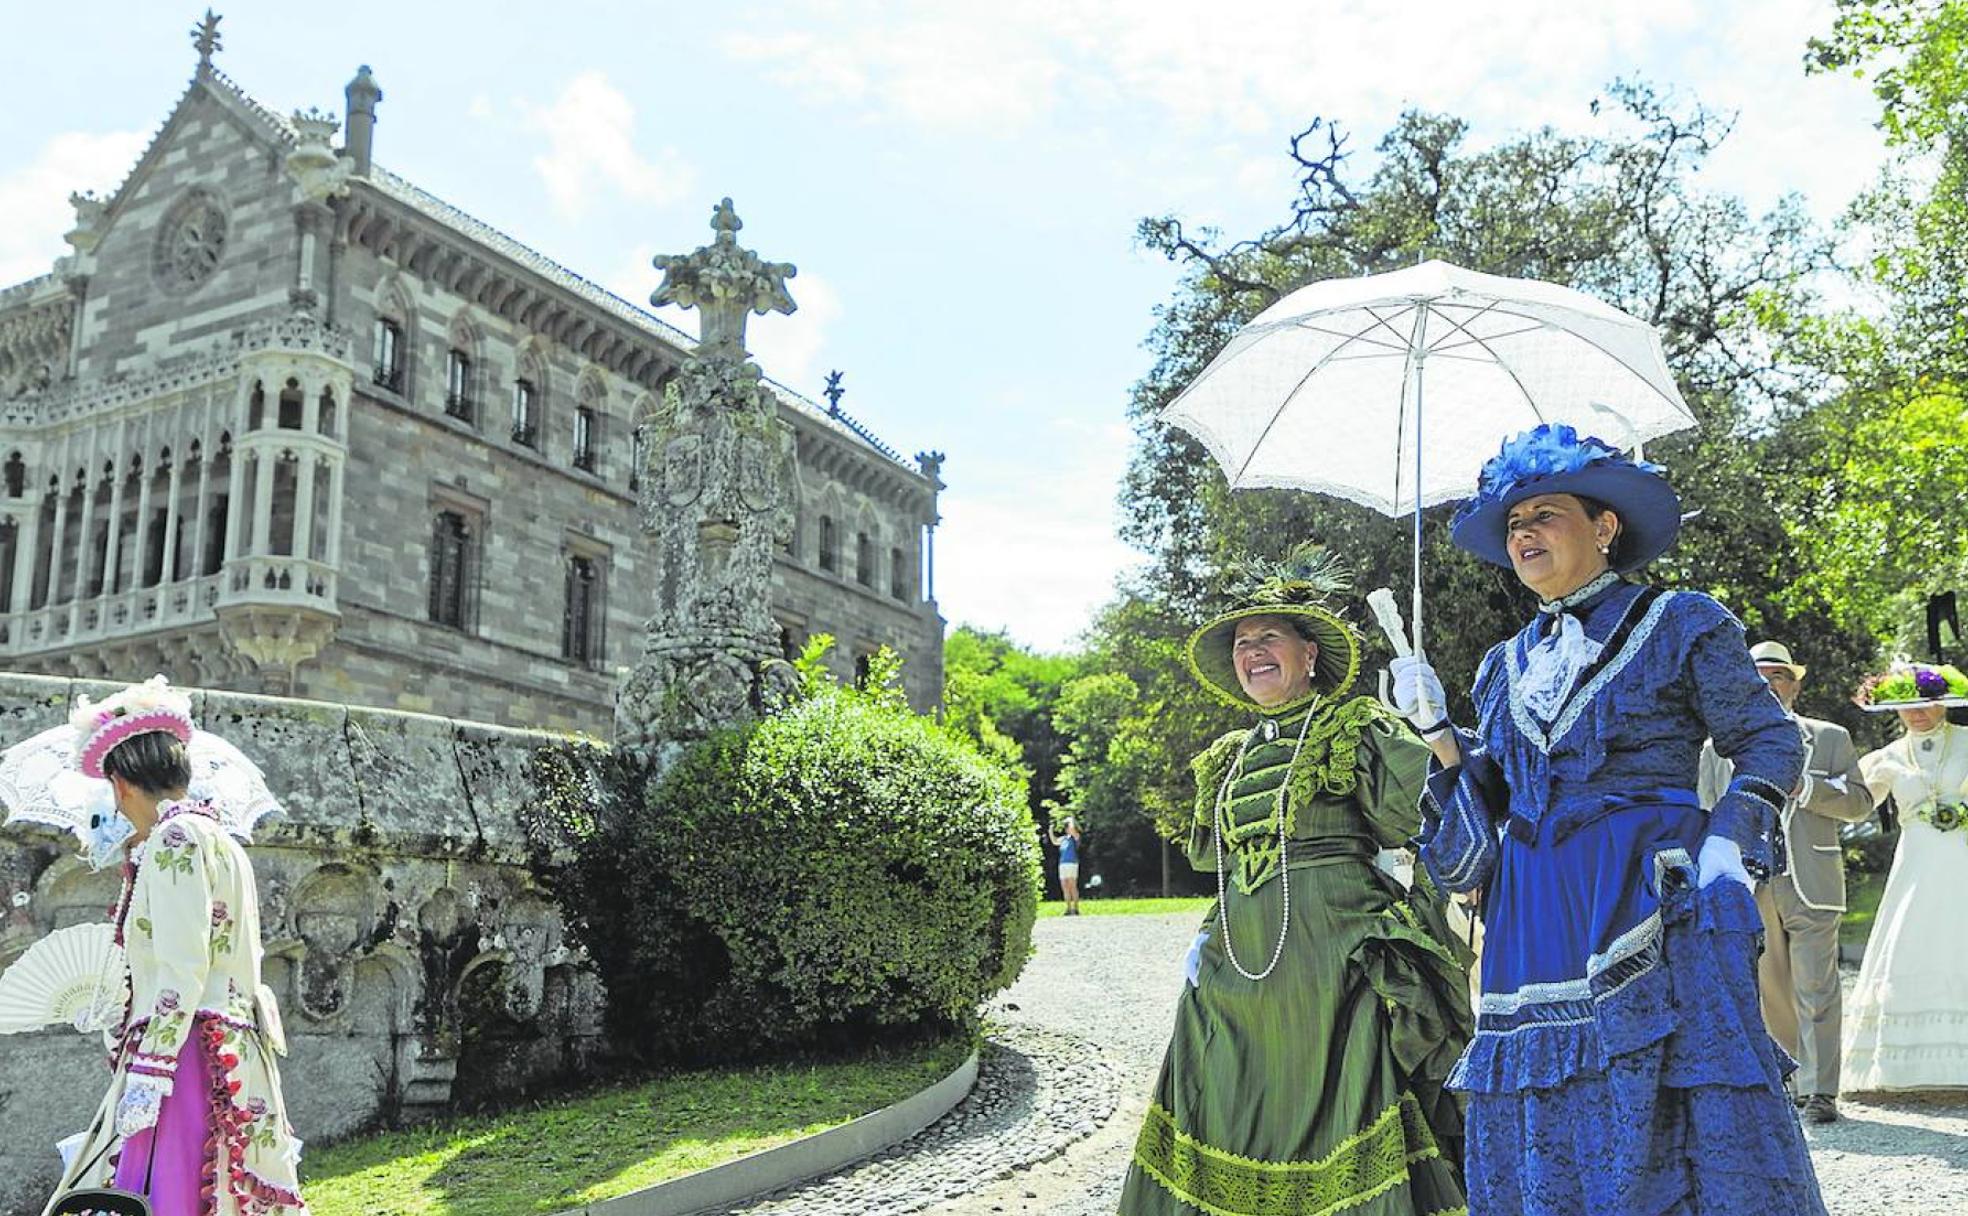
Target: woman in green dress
[{"x": 1325, "y": 1005}]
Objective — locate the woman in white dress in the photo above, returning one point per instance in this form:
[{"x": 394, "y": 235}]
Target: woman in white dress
[{"x": 1906, "y": 1024}]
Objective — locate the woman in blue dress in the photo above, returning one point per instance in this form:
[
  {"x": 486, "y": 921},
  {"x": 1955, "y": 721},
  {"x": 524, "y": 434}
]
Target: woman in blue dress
[{"x": 1620, "y": 1066}]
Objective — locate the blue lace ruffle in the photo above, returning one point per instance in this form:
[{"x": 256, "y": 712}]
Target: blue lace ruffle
[
  {"x": 1667, "y": 1091},
  {"x": 1691, "y": 998},
  {"x": 1626, "y": 1143}
]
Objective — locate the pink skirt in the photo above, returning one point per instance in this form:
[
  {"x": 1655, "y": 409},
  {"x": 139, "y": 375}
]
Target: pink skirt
[{"x": 174, "y": 1179}]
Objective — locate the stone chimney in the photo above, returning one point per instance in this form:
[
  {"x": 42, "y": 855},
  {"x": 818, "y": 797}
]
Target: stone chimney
[{"x": 362, "y": 95}]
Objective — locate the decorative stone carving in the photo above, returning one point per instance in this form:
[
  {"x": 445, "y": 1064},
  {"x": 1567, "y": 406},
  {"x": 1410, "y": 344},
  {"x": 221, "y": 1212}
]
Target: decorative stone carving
[
  {"x": 313, "y": 164},
  {"x": 190, "y": 242},
  {"x": 726, "y": 282},
  {"x": 90, "y": 214},
  {"x": 718, "y": 501}
]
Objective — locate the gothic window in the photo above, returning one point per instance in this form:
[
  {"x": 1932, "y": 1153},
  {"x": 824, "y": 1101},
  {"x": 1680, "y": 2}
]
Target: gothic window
[
  {"x": 291, "y": 406},
  {"x": 452, "y": 570},
  {"x": 10, "y": 539},
  {"x": 638, "y": 453},
  {"x": 584, "y": 439},
  {"x": 326, "y": 420},
  {"x": 863, "y": 663},
  {"x": 389, "y": 354},
  {"x": 582, "y": 625},
  {"x": 215, "y": 535},
  {"x": 829, "y": 545},
  {"x": 898, "y": 575},
  {"x": 153, "y": 572},
  {"x": 526, "y": 413},
  {"x": 457, "y": 385},
  {"x": 864, "y": 560},
  {"x": 16, "y": 476}
]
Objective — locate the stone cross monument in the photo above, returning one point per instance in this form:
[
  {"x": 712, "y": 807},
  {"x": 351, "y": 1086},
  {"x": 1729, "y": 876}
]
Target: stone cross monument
[{"x": 718, "y": 495}]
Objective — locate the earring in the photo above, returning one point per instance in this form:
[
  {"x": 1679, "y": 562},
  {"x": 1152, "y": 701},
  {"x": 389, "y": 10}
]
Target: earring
[{"x": 1604, "y": 550}]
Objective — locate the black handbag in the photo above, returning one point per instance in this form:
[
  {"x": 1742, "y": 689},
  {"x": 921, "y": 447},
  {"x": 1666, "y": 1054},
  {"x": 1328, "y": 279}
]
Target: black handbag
[{"x": 108, "y": 1200}]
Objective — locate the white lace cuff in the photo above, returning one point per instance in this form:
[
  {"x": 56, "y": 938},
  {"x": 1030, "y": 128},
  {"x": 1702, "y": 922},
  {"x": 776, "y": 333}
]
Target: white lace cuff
[{"x": 141, "y": 1103}]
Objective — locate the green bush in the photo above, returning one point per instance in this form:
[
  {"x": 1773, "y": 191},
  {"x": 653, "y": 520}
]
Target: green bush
[{"x": 841, "y": 870}]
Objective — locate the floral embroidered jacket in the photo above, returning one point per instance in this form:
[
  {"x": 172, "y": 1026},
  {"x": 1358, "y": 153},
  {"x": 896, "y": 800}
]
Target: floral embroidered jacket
[
  {"x": 1671, "y": 667},
  {"x": 190, "y": 924}
]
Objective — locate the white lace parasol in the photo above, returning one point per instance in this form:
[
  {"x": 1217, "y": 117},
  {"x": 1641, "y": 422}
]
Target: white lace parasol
[
  {"x": 39, "y": 783},
  {"x": 72, "y": 977}
]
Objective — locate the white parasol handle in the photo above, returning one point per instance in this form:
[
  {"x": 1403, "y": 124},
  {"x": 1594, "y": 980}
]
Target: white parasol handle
[{"x": 1387, "y": 614}]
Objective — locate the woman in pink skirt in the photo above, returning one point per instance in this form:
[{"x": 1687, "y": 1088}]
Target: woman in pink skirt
[{"x": 193, "y": 1118}]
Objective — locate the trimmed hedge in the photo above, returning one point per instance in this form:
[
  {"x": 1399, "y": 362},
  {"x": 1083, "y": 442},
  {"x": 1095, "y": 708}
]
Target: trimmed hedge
[{"x": 841, "y": 870}]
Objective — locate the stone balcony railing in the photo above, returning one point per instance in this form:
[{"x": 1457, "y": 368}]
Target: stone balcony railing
[
  {"x": 280, "y": 582},
  {"x": 260, "y": 582},
  {"x": 116, "y": 616}
]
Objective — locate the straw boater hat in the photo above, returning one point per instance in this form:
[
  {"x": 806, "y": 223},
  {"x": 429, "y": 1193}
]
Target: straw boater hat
[
  {"x": 1555, "y": 460},
  {"x": 1910, "y": 685},
  {"x": 1776, "y": 654},
  {"x": 1295, "y": 589}
]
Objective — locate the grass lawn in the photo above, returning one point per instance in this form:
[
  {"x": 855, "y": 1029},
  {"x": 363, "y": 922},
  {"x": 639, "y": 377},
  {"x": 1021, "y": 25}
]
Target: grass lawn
[
  {"x": 1862, "y": 892},
  {"x": 1190, "y": 905},
  {"x": 598, "y": 1145}
]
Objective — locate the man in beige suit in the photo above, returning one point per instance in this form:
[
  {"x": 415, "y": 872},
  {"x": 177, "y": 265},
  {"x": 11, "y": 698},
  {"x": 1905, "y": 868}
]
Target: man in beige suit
[{"x": 1801, "y": 906}]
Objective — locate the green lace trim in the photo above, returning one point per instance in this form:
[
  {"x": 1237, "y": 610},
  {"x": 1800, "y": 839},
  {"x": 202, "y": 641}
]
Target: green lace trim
[
  {"x": 1327, "y": 766},
  {"x": 1223, "y": 1183}
]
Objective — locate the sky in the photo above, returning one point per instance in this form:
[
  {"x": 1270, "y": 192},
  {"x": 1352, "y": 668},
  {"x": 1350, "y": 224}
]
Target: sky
[{"x": 958, "y": 182}]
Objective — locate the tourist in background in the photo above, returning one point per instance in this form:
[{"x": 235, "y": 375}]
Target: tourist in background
[
  {"x": 1068, "y": 844},
  {"x": 1803, "y": 903},
  {"x": 1620, "y": 1066},
  {"x": 1324, "y": 1005},
  {"x": 1908, "y": 1027}
]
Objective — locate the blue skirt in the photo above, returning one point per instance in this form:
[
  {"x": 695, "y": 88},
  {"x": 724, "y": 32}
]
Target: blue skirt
[{"x": 1620, "y": 1065}]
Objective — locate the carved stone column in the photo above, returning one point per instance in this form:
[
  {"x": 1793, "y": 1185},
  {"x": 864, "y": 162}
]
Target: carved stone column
[{"x": 717, "y": 497}]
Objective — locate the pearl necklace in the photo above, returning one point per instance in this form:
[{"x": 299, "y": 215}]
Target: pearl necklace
[
  {"x": 1284, "y": 870},
  {"x": 1933, "y": 777}
]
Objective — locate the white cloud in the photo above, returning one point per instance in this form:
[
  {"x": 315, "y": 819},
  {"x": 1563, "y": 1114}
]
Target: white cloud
[
  {"x": 946, "y": 70},
  {"x": 34, "y": 198},
  {"x": 1006, "y": 64},
  {"x": 636, "y": 276},
  {"x": 591, "y": 147},
  {"x": 793, "y": 349},
  {"x": 1260, "y": 68},
  {"x": 1034, "y": 552}
]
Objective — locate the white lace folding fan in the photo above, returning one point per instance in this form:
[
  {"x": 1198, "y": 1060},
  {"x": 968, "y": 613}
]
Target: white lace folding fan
[{"x": 66, "y": 975}]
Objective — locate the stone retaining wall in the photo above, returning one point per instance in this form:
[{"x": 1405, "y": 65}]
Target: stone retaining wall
[{"x": 417, "y": 962}]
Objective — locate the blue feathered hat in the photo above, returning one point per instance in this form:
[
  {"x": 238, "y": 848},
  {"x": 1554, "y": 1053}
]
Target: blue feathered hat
[{"x": 1551, "y": 459}]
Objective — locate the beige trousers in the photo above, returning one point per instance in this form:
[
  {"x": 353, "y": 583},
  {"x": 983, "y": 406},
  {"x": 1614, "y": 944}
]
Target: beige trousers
[{"x": 1798, "y": 977}]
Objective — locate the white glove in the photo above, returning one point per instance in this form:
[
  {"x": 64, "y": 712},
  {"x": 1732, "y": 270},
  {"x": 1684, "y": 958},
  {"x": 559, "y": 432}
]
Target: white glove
[
  {"x": 142, "y": 1101},
  {"x": 1417, "y": 692},
  {"x": 1720, "y": 857},
  {"x": 1192, "y": 963}
]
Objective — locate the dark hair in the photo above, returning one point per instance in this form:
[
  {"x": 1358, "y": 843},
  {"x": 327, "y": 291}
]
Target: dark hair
[
  {"x": 156, "y": 762},
  {"x": 1593, "y": 510}
]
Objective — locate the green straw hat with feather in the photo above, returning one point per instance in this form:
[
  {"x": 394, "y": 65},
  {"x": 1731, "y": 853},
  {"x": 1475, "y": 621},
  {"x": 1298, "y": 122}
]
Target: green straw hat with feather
[{"x": 1297, "y": 589}]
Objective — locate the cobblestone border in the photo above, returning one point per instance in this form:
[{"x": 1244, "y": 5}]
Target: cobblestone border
[
  {"x": 787, "y": 1165},
  {"x": 1037, "y": 1092}
]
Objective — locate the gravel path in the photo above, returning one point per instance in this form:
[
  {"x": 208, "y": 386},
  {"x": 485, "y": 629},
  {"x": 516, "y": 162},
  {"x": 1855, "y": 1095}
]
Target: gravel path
[{"x": 1078, "y": 1042}]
